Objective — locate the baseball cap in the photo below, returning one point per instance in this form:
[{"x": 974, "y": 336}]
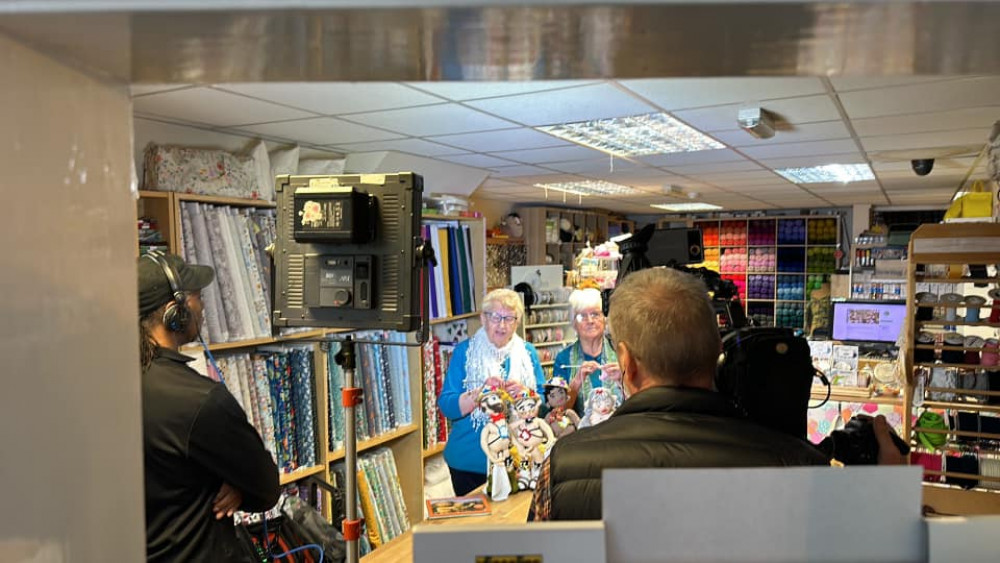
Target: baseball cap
[{"x": 154, "y": 286}]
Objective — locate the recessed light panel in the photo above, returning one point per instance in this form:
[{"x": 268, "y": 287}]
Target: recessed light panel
[
  {"x": 590, "y": 187},
  {"x": 828, "y": 173},
  {"x": 637, "y": 135},
  {"x": 686, "y": 206}
]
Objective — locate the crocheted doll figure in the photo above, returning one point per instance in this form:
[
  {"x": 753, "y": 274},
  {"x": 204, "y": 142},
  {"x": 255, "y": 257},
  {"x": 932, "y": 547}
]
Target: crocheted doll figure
[
  {"x": 495, "y": 442},
  {"x": 532, "y": 435},
  {"x": 562, "y": 418},
  {"x": 600, "y": 405}
]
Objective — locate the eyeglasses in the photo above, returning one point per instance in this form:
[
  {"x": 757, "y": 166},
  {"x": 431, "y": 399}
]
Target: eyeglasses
[
  {"x": 497, "y": 318},
  {"x": 591, "y": 316}
]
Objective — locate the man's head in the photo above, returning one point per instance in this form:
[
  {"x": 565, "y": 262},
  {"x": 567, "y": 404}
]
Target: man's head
[
  {"x": 665, "y": 330},
  {"x": 170, "y": 295}
]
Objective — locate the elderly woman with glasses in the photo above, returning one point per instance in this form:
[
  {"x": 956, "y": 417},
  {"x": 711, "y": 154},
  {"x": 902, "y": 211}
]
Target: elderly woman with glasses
[
  {"x": 494, "y": 356},
  {"x": 590, "y": 362}
]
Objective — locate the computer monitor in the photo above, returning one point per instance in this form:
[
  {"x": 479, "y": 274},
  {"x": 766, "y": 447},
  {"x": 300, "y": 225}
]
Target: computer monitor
[{"x": 868, "y": 322}]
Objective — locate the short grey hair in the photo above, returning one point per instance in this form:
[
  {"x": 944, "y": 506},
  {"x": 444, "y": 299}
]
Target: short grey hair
[
  {"x": 506, "y": 298},
  {"x": 668, "y": 323},
  {"x": 581, "y": 299}
]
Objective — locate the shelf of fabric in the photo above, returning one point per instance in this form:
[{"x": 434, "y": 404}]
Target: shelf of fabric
[
  {"x": 375, "y": 442},
  {"x": 955, "y": 281},
  {"x": 434, "y": 450},
  {"x": 300, "y": 473}
]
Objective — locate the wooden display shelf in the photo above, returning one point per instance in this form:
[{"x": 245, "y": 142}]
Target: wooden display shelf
[
  {"x": 301, "y": 473},
  {"x": 819, "y": 393},
  {"x": 952, "y": 500},
  {"x": 962, "y": 366},
  {"x": 980, "y": 435},
  {"x": 946, "y": 405},
  {"x": 957, "y": 348},
  {"x": 546, "y": 325},
  {"x": 266, "y": 341},
  {"x": 454, "y": 318},
  {"x": 935, "y": 322},
  {"x": 962, "y": 391},
  {"x": 153, "y": 194},
  {"x": 436, "y": 217},
  {"x": 433, "y": 450},
  {"x": 220, "y": 200},
  {"x": 558, "y": 343},
  {"x": 375, "y": 442},
  {"x": 955, "y": 281}
]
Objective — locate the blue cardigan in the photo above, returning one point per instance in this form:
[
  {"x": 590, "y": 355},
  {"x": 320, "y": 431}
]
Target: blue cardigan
[{"x": 462, "y": 450}]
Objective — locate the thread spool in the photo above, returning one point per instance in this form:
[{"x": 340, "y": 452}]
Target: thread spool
[
  {"x": 995, "y": 312},
  {"x": 990, "y": 357},
  {"x": 950, "y": 302},
  {"x": 924, "y": 299},
  {"x": 972, "y": 305},
  {"x": 953, "y": 356},
  {"x": 972, "y": 356},
  {"x": 921, "y": 355}
]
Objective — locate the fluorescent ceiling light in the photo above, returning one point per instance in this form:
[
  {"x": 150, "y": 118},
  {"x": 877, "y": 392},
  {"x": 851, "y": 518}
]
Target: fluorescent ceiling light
[
  {"x": 686, "y": 206},
  {"x": 828, "y": 173},
  {"x": 637, "y": 135},
  {"x": 590, "y": 187}
]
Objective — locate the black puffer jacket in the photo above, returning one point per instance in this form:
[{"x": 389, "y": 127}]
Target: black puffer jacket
[{"x": 664, "y": 427}]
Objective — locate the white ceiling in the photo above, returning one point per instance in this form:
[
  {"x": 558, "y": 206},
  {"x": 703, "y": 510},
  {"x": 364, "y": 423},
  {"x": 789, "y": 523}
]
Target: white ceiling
[{"x": 489, "y": 125}]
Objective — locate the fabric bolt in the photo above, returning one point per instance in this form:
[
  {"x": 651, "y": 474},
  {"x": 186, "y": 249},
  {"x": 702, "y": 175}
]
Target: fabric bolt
[
  {"x": 231, "y": 378},
  {"x": 335, "y": 383},
  {"x": 222, "y": 276},
  {"x": 244, "y": 293},
  {"x": 989, "y": 466},
  {"x": 215, "y": 318},
  {"x": 302, "y": 398},
  {"x": 429, "y": 396},
  {"x": 930, "y": 462},
  {"x": 250, "y": 393},
  {"x": 253, "y": 272},
  {"x": 386, "y": 374},
  {"x": 263, "y": 386}
]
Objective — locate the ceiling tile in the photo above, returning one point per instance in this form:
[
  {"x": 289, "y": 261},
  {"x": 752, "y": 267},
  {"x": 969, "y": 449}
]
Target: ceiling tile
[
  {"x": 808, "y": 109},
  {"x": 503, "y": 140},
  {"x": 823, "y": 131},
  {"x": 814, "y": 148},
  {"x": 145, "y": 89},
  {"x": 635, "y": 175},
  {"x": 426, "y": 121},
  {"x": 553, "y": 154},
  {"x": 974, "y": 139},
  {"x": 321, "y": 131},
  {"x": 492, "y": 183},
  {"x": 595, "y": 165},
  {"x": 967, "y": 118},
  {"x": 331, "y": 98},
  {"x": 479, "y": 160},
  {"x": 205, "y": 105},
  {"x": 585, "y": 103},
  {"x": 696, "y": 157},
  {"x": 929, "y": 182},
  {"x": 715, "y": 168},
  {"x": 813, "y": 160},
  {"x": 459, "y": 91},
  {"x": 413, "y": 146},
  {"x": 848, "y": 83},
  {"x": 922, "y": 98},
  {"x": 520, "y": 170},
  {"x": 549, "y": 178},
  {"x": 680, "y": 93},
  {"x": 735, "y": 179}
]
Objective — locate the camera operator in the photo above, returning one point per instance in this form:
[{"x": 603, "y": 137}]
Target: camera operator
[{"x": 665, "y": 332}]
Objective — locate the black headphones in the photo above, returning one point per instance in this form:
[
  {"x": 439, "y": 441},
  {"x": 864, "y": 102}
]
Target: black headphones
[{"x": 177, "y": 316}]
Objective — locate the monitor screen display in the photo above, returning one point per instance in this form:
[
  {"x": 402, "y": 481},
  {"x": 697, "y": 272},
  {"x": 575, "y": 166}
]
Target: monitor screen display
[{"x": 871, "y": 322}]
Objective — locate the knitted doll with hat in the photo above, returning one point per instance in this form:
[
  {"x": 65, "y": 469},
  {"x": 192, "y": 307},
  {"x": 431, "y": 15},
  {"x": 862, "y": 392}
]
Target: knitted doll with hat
[
  {"x": 532, "y": 435},
  {"x": 562, "y": 418}
]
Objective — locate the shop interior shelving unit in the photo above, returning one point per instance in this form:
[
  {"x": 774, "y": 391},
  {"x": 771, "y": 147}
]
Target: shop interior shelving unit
[
  {"x": 541, "y": 232},
  {"x": 775, "y": 262},
  {"x": 951, "y": 248},
  {"x": 405, "y": 442}
]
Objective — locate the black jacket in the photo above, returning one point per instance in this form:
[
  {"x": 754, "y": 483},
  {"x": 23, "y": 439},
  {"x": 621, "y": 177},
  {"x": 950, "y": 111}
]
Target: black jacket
[
  {"x": 664, "y": 427},
  {"x": 195, "y": 437}
]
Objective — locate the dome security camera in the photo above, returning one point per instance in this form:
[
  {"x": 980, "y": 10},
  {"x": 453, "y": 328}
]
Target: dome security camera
[{"x": 922, "y": 166}]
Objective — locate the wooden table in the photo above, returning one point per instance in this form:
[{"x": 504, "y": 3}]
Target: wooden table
[{"x": 514, "y": 510}]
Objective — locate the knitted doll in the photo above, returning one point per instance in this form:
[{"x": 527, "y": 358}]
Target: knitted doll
[
  {"x": 495, "y": 442},
  {"x": 562, "y": 418},
  {"x": 532, "y": 435},
  {"x": 600, "y": 405}
]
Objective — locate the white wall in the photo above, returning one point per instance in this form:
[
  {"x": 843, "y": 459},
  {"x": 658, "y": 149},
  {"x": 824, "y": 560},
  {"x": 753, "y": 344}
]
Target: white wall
[{"x": 70, "y": 430}]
